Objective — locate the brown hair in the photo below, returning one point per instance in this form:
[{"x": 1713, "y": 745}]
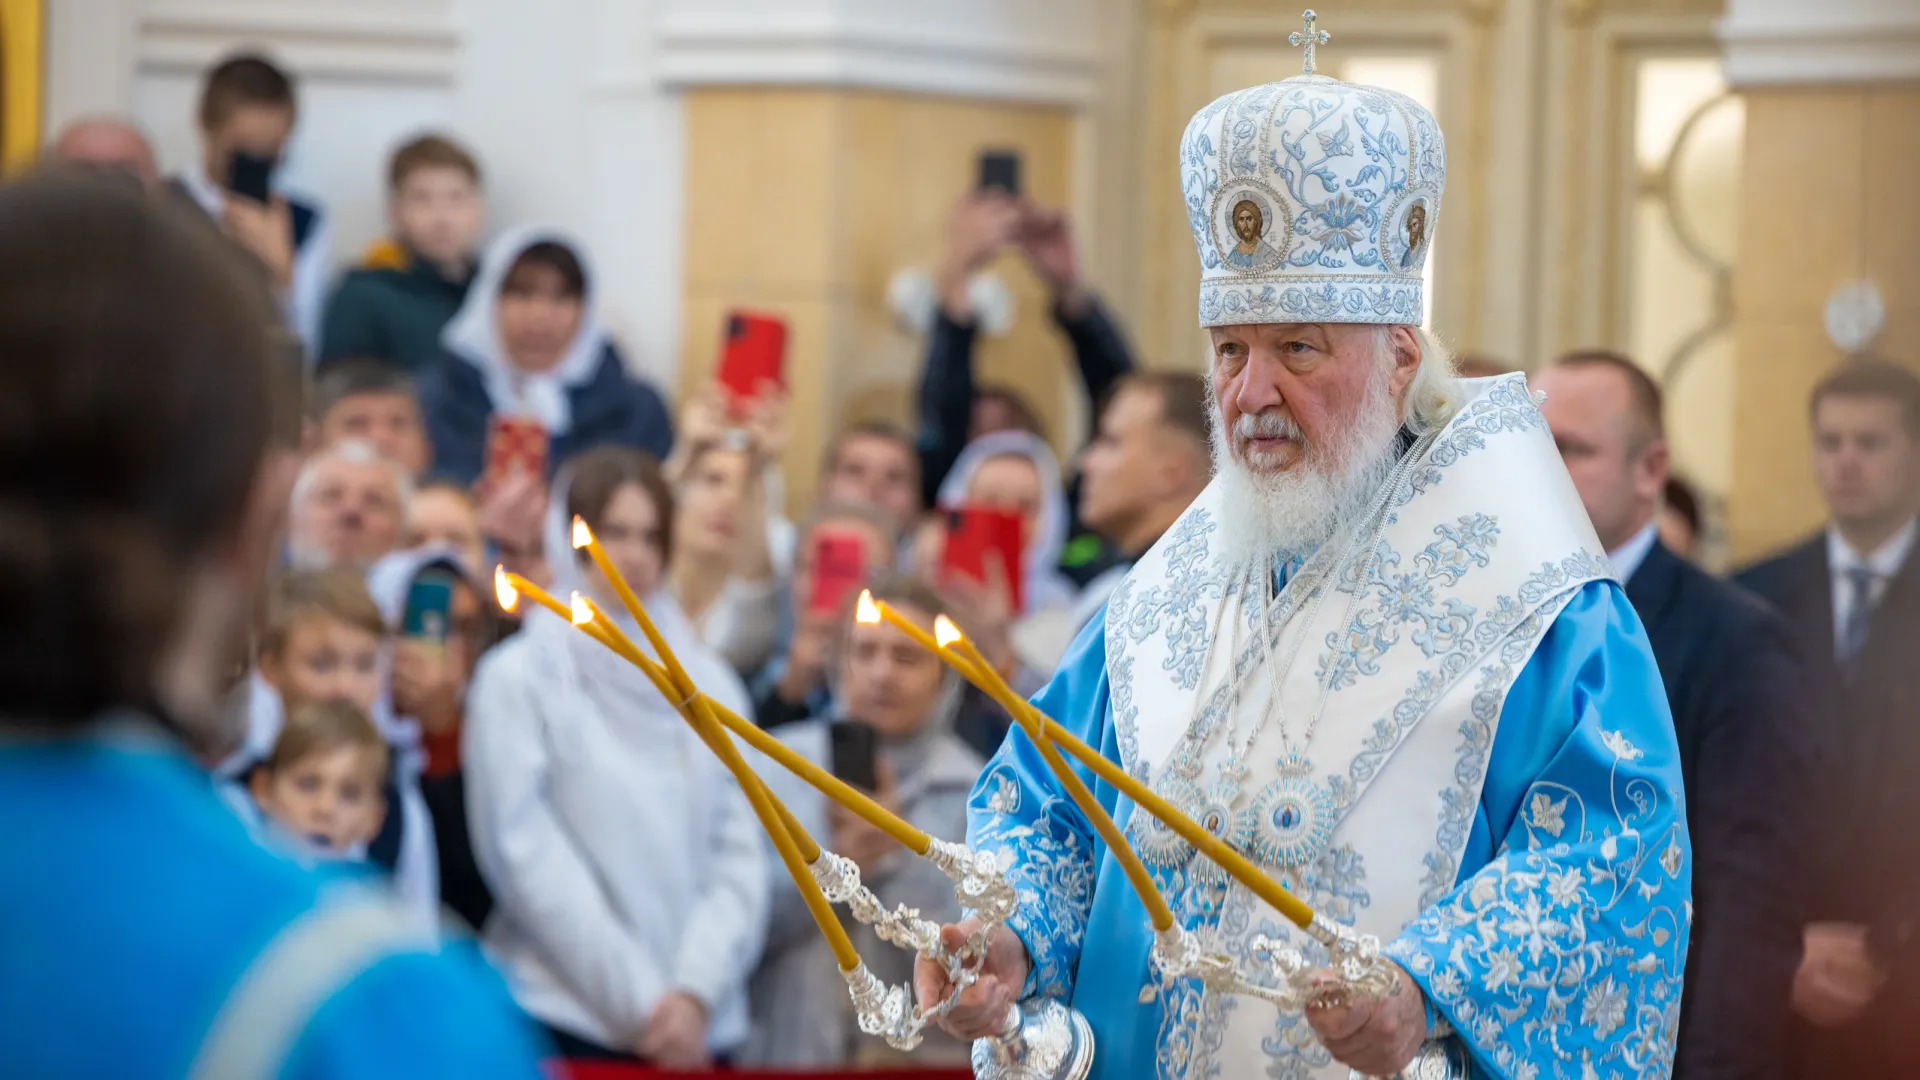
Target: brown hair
[
  {"x": 140, "y": 391},
  {"x": 319, "y": 727},
  {"x": 239, "y": 81},
  {"x": 1022, "y": 411},
  {"x": 353, "y": 376},
  {"x": 905, "y": 590},
  {"x": 554, "y": 256},
  {"x": 868, "y": 429},
  {"x": 1183, "y": 400},
  {"x": 430, "y": 152},
  {"x": 340, "y": 593},
  {"x": 1872, "y": 377},
  {"x": 599, "y": 474},
  {"x": 1648, "y": 402}
]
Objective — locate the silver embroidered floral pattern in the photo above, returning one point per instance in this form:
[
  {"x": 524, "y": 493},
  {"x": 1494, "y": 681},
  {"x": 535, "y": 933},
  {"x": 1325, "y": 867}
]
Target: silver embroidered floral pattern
[
  {"x": 1548, "y": 815},
  {"x": 1564, "y": 958}
]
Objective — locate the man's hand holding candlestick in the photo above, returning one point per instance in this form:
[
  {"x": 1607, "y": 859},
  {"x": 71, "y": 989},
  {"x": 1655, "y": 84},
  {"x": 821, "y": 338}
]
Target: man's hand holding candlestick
[
  {"x": 982, "y": 1008},
  {"x": 1373, "y": 1036}
]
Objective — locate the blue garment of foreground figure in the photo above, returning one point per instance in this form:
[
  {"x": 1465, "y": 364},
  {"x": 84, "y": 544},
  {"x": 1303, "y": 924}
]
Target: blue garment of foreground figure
[
  {"x": 1558, "y": 952},
  {"x": 135, "y": 900}
]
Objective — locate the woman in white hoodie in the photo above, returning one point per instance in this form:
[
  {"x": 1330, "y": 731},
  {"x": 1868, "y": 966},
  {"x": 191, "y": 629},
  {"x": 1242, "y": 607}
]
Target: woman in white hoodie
[{"x": 628, "y": 873}]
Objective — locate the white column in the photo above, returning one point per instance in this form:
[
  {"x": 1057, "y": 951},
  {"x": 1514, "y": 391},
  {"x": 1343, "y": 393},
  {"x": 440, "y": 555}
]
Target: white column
[{"x": 1772, "y": 42}]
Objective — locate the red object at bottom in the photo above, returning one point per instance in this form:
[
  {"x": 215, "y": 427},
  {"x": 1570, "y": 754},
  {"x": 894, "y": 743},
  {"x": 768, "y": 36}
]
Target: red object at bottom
[{"x": 602, "y": 1070}]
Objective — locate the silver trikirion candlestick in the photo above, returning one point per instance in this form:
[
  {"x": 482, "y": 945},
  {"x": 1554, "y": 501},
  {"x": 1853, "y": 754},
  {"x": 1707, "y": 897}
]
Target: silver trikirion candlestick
[{"x": 1044, "y": 1040}]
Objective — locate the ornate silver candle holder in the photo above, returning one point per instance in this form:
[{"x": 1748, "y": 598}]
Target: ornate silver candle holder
[
  {"x": 1043, "y": 1040},
  {"x": 889, "y": 1012}
]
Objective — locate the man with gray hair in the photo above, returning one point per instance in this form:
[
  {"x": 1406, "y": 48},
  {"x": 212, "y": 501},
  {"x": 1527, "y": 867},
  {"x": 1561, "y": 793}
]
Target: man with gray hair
[
  {"x": 1382, "y": 656},
  {"x": 348, "y": 506}
]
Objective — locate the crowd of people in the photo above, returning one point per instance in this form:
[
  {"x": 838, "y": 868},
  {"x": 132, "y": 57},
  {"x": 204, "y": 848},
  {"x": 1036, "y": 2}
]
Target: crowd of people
[{"x": 392, "y": 721}]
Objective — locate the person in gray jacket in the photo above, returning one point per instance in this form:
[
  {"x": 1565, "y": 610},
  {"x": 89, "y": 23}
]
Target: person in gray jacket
[{"x": 802, "y": 1016}]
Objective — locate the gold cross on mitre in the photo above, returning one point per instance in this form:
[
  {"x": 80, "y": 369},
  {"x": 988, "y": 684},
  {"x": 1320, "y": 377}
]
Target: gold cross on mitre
[{"x": 1309, "y": 37}]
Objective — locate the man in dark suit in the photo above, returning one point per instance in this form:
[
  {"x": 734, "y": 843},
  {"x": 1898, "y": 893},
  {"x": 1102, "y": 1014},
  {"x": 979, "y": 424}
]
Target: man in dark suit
[
  {"x": 1735, "y": 684},
  {"x": 1853, "y": 593}
]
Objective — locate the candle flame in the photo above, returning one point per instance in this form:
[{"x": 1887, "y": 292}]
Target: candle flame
[
  {"x": 582, "y": 536},
  {"x": 582, "y": 614},
  {"x": 945, "y": 632},
  {"x": 503, "y": 589},
  {"x": 866, "y": 612}
]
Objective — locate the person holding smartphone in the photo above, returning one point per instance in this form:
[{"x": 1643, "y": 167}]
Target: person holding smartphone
[
  {"x": 954, "y": 407},
  {"x": 889, "y": 730},
  {"x": 246, "y": 117}
]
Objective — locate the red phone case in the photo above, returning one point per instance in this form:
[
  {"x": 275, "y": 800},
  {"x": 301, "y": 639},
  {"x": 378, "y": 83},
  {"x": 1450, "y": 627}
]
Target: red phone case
[
  {"x": 755, "y": 352},
  {"x": 514, "y": 444},
  {"x": 977, "y": 533},
  {"x": 839, "y": 566}
]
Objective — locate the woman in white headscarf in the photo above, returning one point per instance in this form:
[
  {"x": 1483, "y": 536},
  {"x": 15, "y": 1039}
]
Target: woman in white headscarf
[
  {"x": 528, "y": 343},
  {"x": 627, "y": 869},
  {"x": 426, "y": 695},
  {"x": 924, "y": 772},
  {"x": 1016, "y": 471}
]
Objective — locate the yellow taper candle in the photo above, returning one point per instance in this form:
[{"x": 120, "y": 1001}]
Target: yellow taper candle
[
  {"x": 1044, "y": 730},
  {"x": 779, "y": 824},
  {"x": 871, "y": 611}
]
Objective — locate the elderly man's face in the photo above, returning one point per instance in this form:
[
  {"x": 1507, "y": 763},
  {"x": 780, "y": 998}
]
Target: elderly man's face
[
  {"x": 1288, "y": 391},
  {"x": 351, "y": 513}
]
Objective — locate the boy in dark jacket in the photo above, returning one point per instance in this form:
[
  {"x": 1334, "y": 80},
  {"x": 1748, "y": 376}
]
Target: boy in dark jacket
[{"x": 393, "y": 305}]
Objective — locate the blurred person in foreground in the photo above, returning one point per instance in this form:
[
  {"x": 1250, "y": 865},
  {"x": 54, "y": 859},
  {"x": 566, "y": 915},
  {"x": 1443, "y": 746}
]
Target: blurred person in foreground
[
  {"x": 528, "y": 343},
  {"x": 129, "y": 585},
  {"x": 1382, "y": 650},
  {"x": 110, "y": 144},
  {"x": 246, "y": 115},
  {"x": 1853, "y": 593},
  {"x": 1737, "y": 687},
  {"x": 923, "y": 772},
  {"x": 627, "y": 870},
  {"x": 394, "y": 304},
  {"x": 349, "y": 504}
]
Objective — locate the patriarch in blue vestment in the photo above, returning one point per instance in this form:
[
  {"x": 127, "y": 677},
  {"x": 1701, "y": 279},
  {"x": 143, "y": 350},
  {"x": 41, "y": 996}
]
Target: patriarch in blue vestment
[{"x": 1383, "y": 655}]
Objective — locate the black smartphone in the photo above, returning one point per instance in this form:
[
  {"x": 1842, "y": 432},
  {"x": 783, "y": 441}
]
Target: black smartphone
[
  {"x": 1000, "y": 169},
  {"x": 251, "y": 177},
  {"x": 855, "y": 750}
]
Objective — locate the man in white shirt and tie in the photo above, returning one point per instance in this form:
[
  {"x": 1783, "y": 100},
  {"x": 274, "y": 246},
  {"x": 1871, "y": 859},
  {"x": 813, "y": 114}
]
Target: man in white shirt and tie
[{"x": 1854, "y": 594}]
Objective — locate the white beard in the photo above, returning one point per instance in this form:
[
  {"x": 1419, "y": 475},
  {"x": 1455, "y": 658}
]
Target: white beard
[{"x": 1266, "y": 515}]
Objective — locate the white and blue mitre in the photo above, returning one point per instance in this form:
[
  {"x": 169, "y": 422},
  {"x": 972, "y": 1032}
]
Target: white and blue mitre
[{"x": 1312, "y": 200}]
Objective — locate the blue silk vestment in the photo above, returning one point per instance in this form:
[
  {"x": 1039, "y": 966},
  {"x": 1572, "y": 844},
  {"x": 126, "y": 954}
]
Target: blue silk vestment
[{"x": 1558, "y": 953}]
